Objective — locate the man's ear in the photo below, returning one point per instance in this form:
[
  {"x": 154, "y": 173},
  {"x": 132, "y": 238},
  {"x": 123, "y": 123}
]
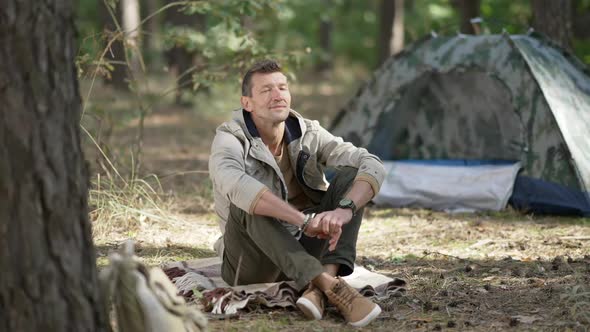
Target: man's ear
[{"x": 245, "y": 103}]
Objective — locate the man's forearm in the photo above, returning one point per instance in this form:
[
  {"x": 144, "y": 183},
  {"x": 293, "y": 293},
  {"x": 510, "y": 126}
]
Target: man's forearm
[
  {"x": 272, "y": 206},
  {"x": 360, "y": 193}
]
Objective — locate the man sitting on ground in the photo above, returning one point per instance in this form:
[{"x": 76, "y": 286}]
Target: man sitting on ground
[{"x": 281, "y": 219}]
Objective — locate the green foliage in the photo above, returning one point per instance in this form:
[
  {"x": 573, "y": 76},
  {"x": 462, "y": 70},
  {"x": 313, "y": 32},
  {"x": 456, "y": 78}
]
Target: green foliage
[
  {"x": 512, "y": 16},
  {"x": 581, "y": 49},
  {"x": 354, "y": 31},
  {"x": 88, "y": 26},
  {"x": 238, "y": 31},
  {"x": 424, "y": 16},
  {"x": 582, "y": 46},
  {"x": 226, "y": 45}
]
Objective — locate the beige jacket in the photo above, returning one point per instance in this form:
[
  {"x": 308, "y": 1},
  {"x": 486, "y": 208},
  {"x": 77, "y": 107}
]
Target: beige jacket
[{"x": 242, "y": 168}]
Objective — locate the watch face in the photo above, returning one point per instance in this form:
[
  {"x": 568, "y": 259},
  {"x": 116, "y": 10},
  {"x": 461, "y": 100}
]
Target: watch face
[{"x": 345, "y": 202}]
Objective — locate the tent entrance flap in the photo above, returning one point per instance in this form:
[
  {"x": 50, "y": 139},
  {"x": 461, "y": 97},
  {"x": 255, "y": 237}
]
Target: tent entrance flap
[{"x": 461, "y": 114}]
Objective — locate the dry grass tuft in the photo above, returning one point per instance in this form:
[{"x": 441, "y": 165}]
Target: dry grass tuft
[
  {"x": 577, "y": 301},
  {"x": 123, "y": 206}
]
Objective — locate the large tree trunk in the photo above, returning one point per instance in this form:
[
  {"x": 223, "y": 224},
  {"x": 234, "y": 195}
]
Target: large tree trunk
[
  {"x": 391, "y": 29},
  {"x": 554, "y": 19},
  {"x": 48, "y": 280},
  {"x": 468, "y": 9}
]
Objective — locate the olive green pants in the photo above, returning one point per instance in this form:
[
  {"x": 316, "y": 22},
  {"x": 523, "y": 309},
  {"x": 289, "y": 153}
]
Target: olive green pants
[{"x": 260, "y": 249}]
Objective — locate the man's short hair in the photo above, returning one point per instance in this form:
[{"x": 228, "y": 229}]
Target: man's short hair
[{"x": 263, "y": 67}]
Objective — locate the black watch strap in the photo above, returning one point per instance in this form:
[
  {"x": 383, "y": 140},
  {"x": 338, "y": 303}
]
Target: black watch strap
[{"x": 347, "y": 203}]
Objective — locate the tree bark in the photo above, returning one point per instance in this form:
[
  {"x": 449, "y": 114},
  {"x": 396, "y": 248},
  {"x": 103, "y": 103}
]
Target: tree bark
[
  {"x": 132, "y": 29},
  {"x": 554, "y": 19},
  {"x": 391, "y": 28},
  {"x": 48, "y": 280},
  {"x": 468, "y": 9},
  {"x": 386, "y": 15},
  {"x": 397, "y": 38}
]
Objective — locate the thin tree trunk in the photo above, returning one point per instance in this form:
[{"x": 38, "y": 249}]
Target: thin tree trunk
[
  {"x": 468, "y": 9},
  {"x": 397, "y": 35},
  {"x": 386, "y": 15},
  {"x": 391, "y": 28},
  {"x": 130, "y": 24},
  {"x": 48, "y": 280},
  {"x": 554, "y": 19}
]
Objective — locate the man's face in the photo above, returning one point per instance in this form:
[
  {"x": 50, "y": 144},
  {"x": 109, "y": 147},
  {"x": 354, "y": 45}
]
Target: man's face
[{"x": 271, "y": 99}]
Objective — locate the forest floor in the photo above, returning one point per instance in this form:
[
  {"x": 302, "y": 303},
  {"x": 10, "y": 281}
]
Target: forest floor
[{"x": 482, "y": 271}]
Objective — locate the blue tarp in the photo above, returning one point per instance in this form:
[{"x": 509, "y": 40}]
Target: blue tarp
[{"x": 543, "y": 197}]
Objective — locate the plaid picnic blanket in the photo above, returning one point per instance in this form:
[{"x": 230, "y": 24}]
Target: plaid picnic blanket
[{"x": 200, "y": 280}]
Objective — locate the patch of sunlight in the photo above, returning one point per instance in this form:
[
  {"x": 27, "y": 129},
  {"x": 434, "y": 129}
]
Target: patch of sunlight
[
  {"x": 326, "y": 90},
  {"x": 450, "y": 244},
  {"x": 102, "y": 261},
  {"x": 158, "y": 256},
  {"x": 286, "y": 13},
  {"x": 382, "y": 213},
  {"x": 440, "y": 12},
  {"x": 155, "y": 256},
  {"x": 302, "y": 89},
  {"x": 401, "y": 259}
]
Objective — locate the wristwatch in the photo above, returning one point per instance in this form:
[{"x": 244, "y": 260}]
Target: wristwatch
[{"x": 347, "y": 203}]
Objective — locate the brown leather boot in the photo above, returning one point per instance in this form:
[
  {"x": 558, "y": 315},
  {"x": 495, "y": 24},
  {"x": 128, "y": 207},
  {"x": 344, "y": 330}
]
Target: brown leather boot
[
  {"x": 312, "y": 303},
  {"x": 356, "y": 309}
]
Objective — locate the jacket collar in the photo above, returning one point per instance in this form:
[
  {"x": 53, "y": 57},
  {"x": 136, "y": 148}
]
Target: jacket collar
[{"x": 293, "y": 125}]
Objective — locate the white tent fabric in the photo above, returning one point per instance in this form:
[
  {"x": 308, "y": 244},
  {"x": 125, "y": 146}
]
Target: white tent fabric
[{"x": 449, "y": 188}]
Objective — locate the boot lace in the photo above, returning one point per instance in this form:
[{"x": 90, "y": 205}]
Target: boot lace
[{"x": 344, "y": 295}]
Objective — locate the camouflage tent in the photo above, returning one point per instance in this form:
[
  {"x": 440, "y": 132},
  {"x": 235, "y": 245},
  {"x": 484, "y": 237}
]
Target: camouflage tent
[{"x": 490, "y": 97}]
